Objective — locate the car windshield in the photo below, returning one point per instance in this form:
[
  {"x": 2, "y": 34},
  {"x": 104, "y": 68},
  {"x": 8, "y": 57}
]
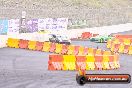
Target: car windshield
[
  {"x": 50, "y": 35},
  {"x": 98, "y": 36},
  {"x": 62, "y": 37},
  {"x": 101, "y": 36}
]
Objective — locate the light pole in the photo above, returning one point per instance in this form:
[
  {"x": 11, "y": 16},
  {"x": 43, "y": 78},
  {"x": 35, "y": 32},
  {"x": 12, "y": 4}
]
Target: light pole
[{"x": 23, "y": 23}]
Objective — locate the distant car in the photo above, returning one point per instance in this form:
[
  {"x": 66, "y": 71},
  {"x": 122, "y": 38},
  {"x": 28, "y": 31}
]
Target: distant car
[
  {"x": 101, "y": 38},
  {"x": 59, "y": 39}
]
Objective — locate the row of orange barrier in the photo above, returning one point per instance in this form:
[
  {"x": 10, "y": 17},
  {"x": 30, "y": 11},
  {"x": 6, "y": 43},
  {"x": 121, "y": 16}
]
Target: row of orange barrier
[
  {"x": 121, "y": 36},
  {"x": 54, "y": 47},
  {"x": 125, "y": 41},
  {"x": 120, "y": 45},
  {"x": 87, "y": 62},
  {"x": 86, "y": 35},
  {"x": 77, "y": 57}
]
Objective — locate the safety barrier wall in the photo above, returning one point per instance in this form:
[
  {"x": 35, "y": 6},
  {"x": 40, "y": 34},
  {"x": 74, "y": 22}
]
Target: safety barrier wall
[
  {"x": 119, "y": 36},
  {"x": 85, "y": 35},
  {"x": 53, "y": 47},
  {"x": 87, "y": 62},
  {"x": 121, "y": 45},
  {"x": 73, "y": 58}
]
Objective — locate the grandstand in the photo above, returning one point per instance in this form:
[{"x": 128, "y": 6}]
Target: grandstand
[{"x": 86, "y": 13}]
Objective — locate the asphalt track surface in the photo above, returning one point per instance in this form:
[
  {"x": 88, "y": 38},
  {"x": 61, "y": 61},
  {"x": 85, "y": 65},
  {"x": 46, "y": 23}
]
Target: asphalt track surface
[{"x": 20, "y": 68}]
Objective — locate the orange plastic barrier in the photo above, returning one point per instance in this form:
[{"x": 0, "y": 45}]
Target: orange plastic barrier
[
  {"x": 127, "y": 41},
  {"x": 81, "y": 62},
  {"x": 9, "y": 42},
  {"x": 99, "y": 52},
  {"x": 109, "y": 43},
  {"x": 113, "y": 62},
  {"x": 131, "y": 41},
  {"x": 107, "y": 52},
  {"x": 70, "y": 50},
  {"x": 39, "y": 46},
  {"x": 85, "y": 51},
  {"x": 58, "y": 48},
  {"x": 121, "y": 45},
  {"x": 81, "y": 50},
  {"x": 32, "y": 45},
  {"x": 76, "y": 50},
  {"x": 16, "y": 43},
  {"x": 69, "y": 62},
  {"x": 116, "y": 41},
  {"x": 112, "y": 46},
  {"x": 123, "y": 36},
  {"x": 88, "y": 62},
  {"x": 13, "y": 43},
  {"x": 116, "y": 47},
  {"x": 64, "y": 49},
  {"x": 126, "y": 48},
  {"x": 86, "y": 35},
  {"x": 55, "y": 62},
  {"x": 116, "y": 61},
  {"x": 23, "y": 44},
  {"x": 52, "y": 47},
  {"x": 130, "y": 50},
  {"x": 91, "y": 51},
  {"x": 46, "y": 46},
  {"x": 106, "y": 61},
  {"x": 98, "y": 62},
  {"x": 121, "y": 48}
]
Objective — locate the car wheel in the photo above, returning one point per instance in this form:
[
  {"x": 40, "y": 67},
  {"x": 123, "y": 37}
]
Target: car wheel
[
  {"x": 50, "y": 40},
  {"x": 101, "y": 40},
  {"x": 68, "y": 43},
  {"x": 81, "y": 80}
]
